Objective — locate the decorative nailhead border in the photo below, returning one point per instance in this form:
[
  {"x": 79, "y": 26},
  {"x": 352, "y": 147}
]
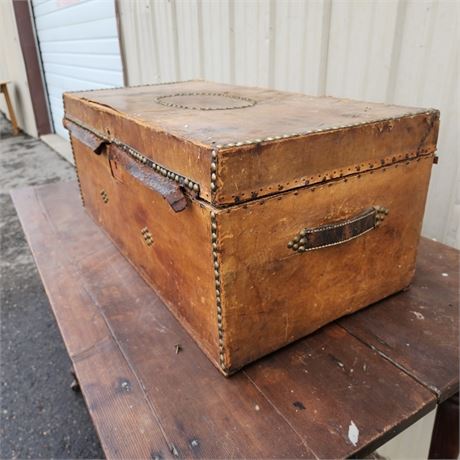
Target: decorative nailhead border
[
  {"x": 271, "y": 138},
  {"x": 324, "y": 176},
  {"x": 132, "y": 86},
  {"x": 217, "y": 282},
  {"x": 248, "y": 102},
  {"x": 320, "y": 130},
  {"x": 215, "y": 148},
  {"x": 214, "y": 169},
  {"x": 182, "y": 180},
  {"x": 74, "y": 160},
  {"x": 312, "y": 188},
  {"x": 329, "y": 175},
  {"x": 76, "y": 172}
]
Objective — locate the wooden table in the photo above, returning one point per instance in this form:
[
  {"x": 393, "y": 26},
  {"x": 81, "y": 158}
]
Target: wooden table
[{"x": 342, "y": 391}]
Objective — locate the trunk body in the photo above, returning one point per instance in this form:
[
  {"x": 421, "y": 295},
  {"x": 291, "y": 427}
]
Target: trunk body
[{"x": 255, "y": 240}]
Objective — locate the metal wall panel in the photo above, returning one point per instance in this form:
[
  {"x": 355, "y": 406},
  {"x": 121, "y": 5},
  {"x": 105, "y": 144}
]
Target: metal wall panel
[
  {"x": 402, "y": 52},
  {"x": 79, "y": 46}
]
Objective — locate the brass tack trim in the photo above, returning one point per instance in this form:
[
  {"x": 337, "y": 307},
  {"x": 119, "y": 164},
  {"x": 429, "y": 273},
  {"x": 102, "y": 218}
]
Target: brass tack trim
[
  {"x": 77, "y": 171},
  {"x": 272, "y": 138},
  {"x": 214, "y": 159},
  {"x": 104, "y": 196},
  {"x": 148, "y": 238},
  {"x": 135, "y": 154},
  {"x": 342, "y": 175},
  {"x": 181, "y": 180},
  {"x": 428, "y": 111},
  {"x": 282, "y": 196},
  {"x": 133, "y": 86},
  {"x": 247, "y": 102},
  {"x": 217, "y": 284},
  {"x": 75, "y": 161}
]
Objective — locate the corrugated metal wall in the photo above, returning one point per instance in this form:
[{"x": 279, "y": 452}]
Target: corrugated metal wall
[
  {"x": 79, "y": 46},
  {"x": 403, "y": 52}
]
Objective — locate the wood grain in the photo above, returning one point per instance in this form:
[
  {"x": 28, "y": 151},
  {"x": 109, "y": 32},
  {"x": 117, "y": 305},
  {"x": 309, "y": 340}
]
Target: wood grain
[
  {"x": 191, "y": 410},
  {"x": 328, "y": 382},
  {"x": 419, "y": 329},
  {"x": 148, "y": 401},
  {"x": 111, "y": 389}
]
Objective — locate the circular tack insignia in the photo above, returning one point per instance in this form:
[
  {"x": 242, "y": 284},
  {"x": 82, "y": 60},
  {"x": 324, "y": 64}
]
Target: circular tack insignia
[{"x": 205, "y": 101}]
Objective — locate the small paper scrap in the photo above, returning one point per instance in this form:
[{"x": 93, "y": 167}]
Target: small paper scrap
[{"x": 353, "y": 433}]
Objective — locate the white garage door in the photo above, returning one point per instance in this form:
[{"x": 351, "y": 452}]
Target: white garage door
[{"x": 79, "y": 46}]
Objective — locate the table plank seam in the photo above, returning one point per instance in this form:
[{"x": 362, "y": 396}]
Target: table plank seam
[
  {"x": 89, "y": 351},
  {"x": 171, "y": 446},
  {"x": 259, "y": 390},
  {"x": 431, "y": 388},
  {"x": 88, "y": 291},
  {"x": 113, "y": 337}
]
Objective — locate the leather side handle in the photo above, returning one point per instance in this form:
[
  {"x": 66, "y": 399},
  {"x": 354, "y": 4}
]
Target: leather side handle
[
  {"x": 169, "y": 190},
  {"x": 309, "y": 239},
  {"x": 91, "y": 140}
]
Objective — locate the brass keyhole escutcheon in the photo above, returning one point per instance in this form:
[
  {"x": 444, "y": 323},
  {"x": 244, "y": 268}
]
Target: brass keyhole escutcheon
[
  {"x": 147, "y": 236},
  {"x": 104, "y": 196}
]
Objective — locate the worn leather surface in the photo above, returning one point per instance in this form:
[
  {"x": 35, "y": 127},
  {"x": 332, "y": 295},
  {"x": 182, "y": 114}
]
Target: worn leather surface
[
  {"x": 340, "y": 136},
  {"x": 275, "y": 112},
  {"x": 335, "y": 233},
  {"x": 87, "y": 137},
  {"x": 270, "y": 295},
  {"x": 121, "y": 163},
  {"x": 273, "y": 295},
  {"x": 178, "y": 264}
]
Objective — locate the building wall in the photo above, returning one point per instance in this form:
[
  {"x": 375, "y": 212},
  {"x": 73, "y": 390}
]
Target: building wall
[
  {"x": 12, "y": 68},
  {"x": 401, "y": 52},
  {"x": 79, "y": 48}
]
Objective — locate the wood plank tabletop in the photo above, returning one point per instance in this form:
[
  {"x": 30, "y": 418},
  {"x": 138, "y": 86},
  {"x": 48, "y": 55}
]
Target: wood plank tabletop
[
  {"x": 418, "y": 329},
  {"x": 342, "y": 391}
]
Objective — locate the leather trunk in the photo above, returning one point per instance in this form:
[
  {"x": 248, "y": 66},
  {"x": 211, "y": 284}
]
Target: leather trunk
[{"x": 258, "y": 216}]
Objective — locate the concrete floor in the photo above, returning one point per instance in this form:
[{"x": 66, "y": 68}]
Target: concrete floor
[{"x": 41, "y": 417}]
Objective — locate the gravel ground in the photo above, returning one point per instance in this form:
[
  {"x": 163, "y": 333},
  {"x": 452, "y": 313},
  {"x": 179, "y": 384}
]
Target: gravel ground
[{"x": 41, "y": 417}]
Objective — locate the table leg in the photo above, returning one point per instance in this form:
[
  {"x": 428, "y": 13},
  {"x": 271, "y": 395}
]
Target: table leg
[
  {"x": 10, "y": 107},
  {"x": 444, "y": 440}
]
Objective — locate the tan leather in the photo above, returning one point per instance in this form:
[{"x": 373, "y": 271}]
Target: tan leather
[
  {"x": 121, "y": 163},
  {"x": 178, "y": 264},
  {"x": 273, "y": 295},
  {"x": 231, "y": 274},
  {"x": 319, "y": 137}
]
